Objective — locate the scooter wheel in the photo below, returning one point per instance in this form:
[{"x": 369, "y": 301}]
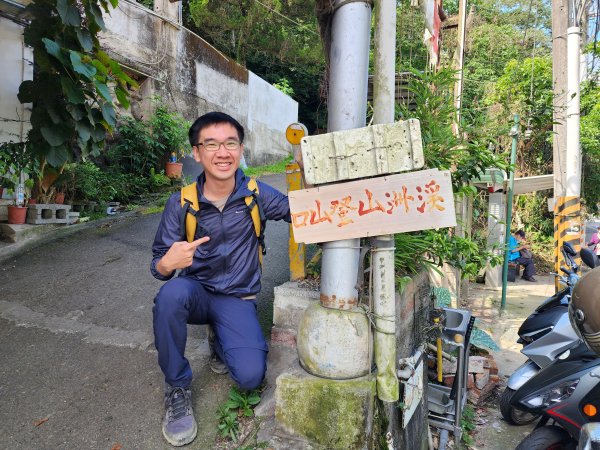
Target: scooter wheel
[
  {"x": 511, "y": 414},
  {"x": 547, "y": 438}
]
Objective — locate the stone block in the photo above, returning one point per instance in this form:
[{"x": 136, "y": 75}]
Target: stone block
[
  {"x": 47, "y": 214},
  {"x": 289, "y": 304},
  {"x": 332, "y": 414},
  {"x": 72, "y": 218},
  {"x": 283, "y": 336},
  {"x": 481, "y": 379},
  {"x": 491, "y": 365},
  {"x": 478, "y": 396},
  {"x": 475, "y": 365}
]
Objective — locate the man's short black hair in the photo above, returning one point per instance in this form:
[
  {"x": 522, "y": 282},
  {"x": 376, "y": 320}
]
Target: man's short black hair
[
  {"x": 520, "y": 233},
  {"x": 213, "y": 118}
]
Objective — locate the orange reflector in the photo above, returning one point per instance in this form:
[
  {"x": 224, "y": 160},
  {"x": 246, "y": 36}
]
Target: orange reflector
[{"x": 590, "y": 410}]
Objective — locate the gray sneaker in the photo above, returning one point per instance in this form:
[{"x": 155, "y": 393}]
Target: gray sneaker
[
  {"x": 179, "y": 426},
  {"x": 215, "y": 363}
]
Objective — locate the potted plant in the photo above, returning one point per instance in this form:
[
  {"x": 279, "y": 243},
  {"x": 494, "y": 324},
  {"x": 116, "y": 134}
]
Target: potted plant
[
  {"x": 174, "y": 168},
  {"x": 20, "y": 166}
]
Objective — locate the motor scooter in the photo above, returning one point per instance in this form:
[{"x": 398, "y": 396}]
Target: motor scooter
[
  {"x": 545, "y": 334},
  {"x": 567, "y": 394}
]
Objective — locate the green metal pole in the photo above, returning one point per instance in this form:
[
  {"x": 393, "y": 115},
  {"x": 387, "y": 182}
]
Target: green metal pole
[{"x": 514, "y": 132}]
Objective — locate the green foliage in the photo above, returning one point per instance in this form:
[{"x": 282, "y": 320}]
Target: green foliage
[
  {"x": 228, "y": 423},
  {"x": 284, "y": 86},
  {"x": 590, "y": 145},
  {"x": 142, "y": 145},
  {"x": 269, "y": 169},
  {"x": 256, "y": 35},
  {"x": 88, "y": 182},
  {"x": 15, "y": 160},
  {"x": 159, "y": 180},
  {"x": 239, "y": 404},
  {"x": 410, "y": 51},
  {"x": 243, "y": 401},
  {"x": 435, "y": 247},
  {"x": 467, "y": 423},
  {"x": 72, "y": 108},
  {"x": 169, "y": 131},
  {"x": 467, "y": 154}
]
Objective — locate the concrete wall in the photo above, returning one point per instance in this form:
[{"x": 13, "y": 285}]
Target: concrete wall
[
  {"x": 192, "y": 77},
  {"x": 413, "y": 307},
  {"x": 16, "y": 67}
]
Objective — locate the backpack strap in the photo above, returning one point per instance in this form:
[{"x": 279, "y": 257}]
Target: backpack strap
[
  {"x": 190, "y": 208},
  {"x": 258, "y": 216}
]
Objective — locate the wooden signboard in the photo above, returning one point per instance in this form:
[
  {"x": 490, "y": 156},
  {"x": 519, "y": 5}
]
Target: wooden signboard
[
  {"x": 372, "y": 207},
  {"x": 362, "y": 152}
]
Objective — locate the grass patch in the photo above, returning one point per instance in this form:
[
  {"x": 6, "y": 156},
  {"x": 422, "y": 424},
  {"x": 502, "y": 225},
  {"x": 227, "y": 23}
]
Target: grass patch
[
  {"x": 269, "y": 169},
  {"x": 153, "y": 209}
]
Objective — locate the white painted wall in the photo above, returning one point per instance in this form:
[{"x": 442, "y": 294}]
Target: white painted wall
[
  {"x": 228, "y": 94},
  {"x": 194, "y": 78},
  {"x": 16, "y": 67},
  {"x": 270, "y": 112}
]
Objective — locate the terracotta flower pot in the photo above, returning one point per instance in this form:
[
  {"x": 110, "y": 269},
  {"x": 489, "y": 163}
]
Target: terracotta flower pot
[
  {"x": 17, "y": 214},
  {"x": 174, "y": 169},
  {"x": 59, "y": 198}
]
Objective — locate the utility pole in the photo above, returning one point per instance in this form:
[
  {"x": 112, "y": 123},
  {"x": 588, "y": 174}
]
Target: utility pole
[
  {"x": 382, "y": 260},
  {"x": 463, "y": 227},
  {"x": 566, "y": 151}
]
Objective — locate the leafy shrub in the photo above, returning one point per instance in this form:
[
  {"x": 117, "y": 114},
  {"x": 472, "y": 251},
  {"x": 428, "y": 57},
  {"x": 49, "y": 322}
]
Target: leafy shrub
[
  {"x": 135, "y": 150},
  {"x": 142, "y": 145},
  {"x": 87, "y": 182}
]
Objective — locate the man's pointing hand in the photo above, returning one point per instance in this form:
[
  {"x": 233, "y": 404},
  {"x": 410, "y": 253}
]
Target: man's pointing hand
[{"x": 179, "y": 256}]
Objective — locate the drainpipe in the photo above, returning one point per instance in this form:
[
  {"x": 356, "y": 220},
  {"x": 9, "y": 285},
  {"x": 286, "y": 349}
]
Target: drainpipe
[
  {"x": 347, "y": 106},
  {"x": 382, "y": 261}
]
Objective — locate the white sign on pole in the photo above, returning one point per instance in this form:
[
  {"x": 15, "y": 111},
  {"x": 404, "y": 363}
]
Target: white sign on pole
[
  {"x": 372, "y": 207},
  {"x": 363, "y": 152}
]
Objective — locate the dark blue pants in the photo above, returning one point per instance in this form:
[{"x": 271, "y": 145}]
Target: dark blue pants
[
  {"x": 239, "y": 340},
  {"x": 528, "y": 268}
]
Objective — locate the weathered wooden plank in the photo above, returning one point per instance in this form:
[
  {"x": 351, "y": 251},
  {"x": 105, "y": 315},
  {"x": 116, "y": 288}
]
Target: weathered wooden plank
[
  {"x": 362, "y": 152},
  {"x": 372, "y": 207}
]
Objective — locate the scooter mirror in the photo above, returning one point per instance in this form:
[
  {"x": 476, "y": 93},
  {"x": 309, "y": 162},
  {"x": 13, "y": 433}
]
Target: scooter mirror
[
  {"x": 589, "y": 439},
  {"x": 569, "y": 249},
  {"x": 588, "y": 257}
]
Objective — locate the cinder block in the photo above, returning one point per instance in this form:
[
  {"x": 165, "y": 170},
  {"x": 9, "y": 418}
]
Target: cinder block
[
  {"x": 332, "y": 414},
  {"x": 48, "y": 213},
  {"x": 72, "y": 218},
  {"x": 290, "y": 303}
]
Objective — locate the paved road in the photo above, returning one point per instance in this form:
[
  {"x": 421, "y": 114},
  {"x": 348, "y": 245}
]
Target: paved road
[{"x": 77, "y": 346}]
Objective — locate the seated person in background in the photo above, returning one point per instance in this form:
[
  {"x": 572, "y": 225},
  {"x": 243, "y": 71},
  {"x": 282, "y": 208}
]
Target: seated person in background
[
  {"x": 595, "y": 241},
  {"x": 519, "y": 253}
]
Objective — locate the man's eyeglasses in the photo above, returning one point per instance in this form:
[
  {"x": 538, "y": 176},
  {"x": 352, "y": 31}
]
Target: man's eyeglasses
[{"x": 213, "y": 146}]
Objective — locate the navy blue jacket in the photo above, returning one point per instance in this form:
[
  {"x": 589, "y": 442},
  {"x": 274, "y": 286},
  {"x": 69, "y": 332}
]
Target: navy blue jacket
[{"x": 228, "y": 263}]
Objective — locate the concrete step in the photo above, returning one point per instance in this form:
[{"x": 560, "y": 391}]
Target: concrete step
[
  {"x": 17, "y": 233},
  {"x": 290, "y": 303}
]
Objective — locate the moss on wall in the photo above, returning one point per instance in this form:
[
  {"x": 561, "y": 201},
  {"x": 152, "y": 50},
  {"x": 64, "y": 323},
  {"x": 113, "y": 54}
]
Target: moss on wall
[{"x": 331, "y": 414}]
